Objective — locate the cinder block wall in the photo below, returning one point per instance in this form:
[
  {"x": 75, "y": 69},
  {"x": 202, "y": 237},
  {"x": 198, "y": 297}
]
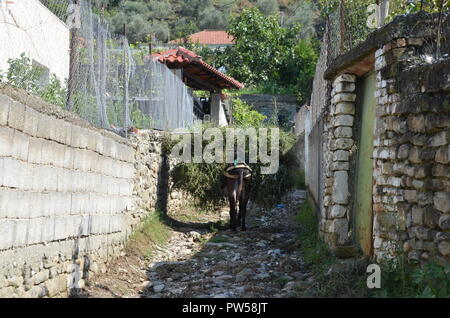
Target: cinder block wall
[{"x": 66, "y": 197}]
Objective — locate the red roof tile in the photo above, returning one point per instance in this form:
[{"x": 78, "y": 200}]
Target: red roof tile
[
  {"x": 208, "y": 37},
  {"x": 193, "y": 63}
]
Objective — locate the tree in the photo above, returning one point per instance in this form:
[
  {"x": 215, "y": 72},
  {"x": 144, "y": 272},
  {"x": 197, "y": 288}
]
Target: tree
[
  {"x": 256, "y": 52},
  {"x": 303, "y": 13},
  {"x": 268, "y": 7},
  {"x": 143, "y": 18},
  {"x": 245, "y": 116},
  {"x": 212, "y": 18},
  {"x": 23, "y": 74},
  {"x": 268, "y": 55},
  {"x": 184, "y": 28}
]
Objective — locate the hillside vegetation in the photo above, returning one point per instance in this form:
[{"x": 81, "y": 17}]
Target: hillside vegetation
[{"x": 164, "y": 20}]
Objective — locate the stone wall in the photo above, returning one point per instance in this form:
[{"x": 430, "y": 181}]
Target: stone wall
[
  {"x": 411, "y": 197},
  {"x": 153, "y": 166},
  {"x": 299, "y": 130},
  {"x": 338, "y": 153},
  {"x": 320, "y": 96},
  {"x": 286, "y": 106},
  {"x": 316, "y": 132},
  {"x": 300, "y": 117}
]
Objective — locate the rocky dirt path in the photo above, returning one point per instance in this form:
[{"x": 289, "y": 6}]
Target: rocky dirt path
[{"x": 262, "y": 262}]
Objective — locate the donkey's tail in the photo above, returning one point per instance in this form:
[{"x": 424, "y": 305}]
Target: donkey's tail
[{"x": 240, "y": 184}]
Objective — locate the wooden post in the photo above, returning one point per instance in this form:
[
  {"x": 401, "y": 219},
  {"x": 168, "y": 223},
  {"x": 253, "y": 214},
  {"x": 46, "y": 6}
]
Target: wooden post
[
  {"x": 73, "y": 62},
  {"x": 101, "y": 42},
  {"x": 438, "y": 40},
  {"x": 342, "y": 31},
  {"x": 125, "y": 86}
]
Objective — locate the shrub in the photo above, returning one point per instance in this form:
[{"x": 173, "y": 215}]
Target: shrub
[
  {"x": 268, "y": 55},
  {"x": 23, "y": 74},
  {"x": 205, "y": 180},
  {"x": 333, "y": 278},
  {"x": 245, "y": 116},
  {"x": 400, "y": 278}
]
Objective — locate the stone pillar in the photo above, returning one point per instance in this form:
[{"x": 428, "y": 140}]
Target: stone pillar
[{"x": 335, "y": 213}]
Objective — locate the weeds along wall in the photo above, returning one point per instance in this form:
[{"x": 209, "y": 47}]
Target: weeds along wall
[{"x": 70, "y": 195}]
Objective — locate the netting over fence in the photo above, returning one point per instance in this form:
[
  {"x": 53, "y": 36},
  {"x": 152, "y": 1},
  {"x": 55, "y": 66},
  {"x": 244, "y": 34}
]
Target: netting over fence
[
  {"x": 111, "y": 84},
  {"x": 350, "y": 22},
  {"x": 118, "y": 87},
  {"x": 347, "y": 27}
]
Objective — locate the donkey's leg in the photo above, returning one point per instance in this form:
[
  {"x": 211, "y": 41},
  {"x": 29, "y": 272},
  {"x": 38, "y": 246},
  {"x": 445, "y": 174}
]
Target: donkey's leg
[
  {"x": 243, "y": 204},
  {"x": 238, "y": 217},
  {"x": 233, "y": 205},
  {"x": 233, "y": 217}
]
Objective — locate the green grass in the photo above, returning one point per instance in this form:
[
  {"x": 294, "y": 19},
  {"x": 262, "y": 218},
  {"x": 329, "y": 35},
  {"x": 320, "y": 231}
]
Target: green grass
[
  {"x": 398, "y": 277},
  {"x": 151, "y": 232},
  {"x": 340, "y": 282},
  {"x": 313, "y": 248},
  {"x": 402, "y": 279},
  {"x": 297, "y": 177}
]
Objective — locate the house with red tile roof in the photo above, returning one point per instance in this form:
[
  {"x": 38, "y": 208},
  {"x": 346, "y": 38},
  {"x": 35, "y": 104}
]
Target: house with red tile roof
[
  {"x": 199, "y": 75},
  {"x": 210, "y": 38}
]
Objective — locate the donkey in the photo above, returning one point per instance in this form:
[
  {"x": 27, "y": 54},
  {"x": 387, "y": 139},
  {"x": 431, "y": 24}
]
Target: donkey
[{"x": 238, "y": 179}]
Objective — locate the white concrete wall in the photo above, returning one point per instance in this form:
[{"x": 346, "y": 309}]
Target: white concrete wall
[{"x": 27, "y": 26}]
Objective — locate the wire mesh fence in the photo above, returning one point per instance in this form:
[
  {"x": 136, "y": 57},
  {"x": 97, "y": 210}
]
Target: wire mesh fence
[
  {"x": 351, "y": 21},
  {"x": 99, "y": 75},
  {"x": 117, "y": 87},
  {"x": 347, "y": 27},
  {"x": 58, "y": 8}
]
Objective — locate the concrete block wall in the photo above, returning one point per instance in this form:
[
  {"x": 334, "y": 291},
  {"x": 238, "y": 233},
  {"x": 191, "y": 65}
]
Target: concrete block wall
[{"x": 66, "y": 197}]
